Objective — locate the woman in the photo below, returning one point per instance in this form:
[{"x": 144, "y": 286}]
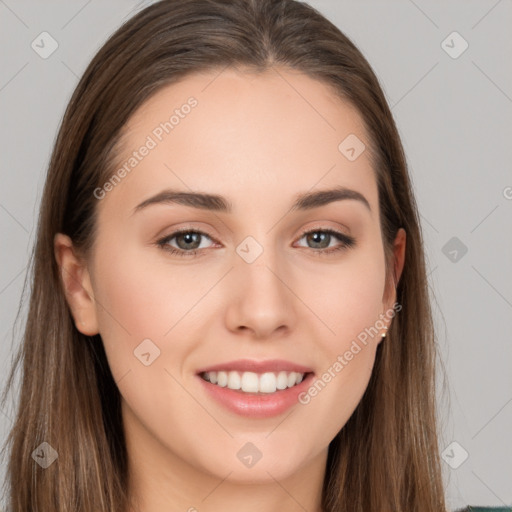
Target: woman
[{"x": 282, "y": 361}]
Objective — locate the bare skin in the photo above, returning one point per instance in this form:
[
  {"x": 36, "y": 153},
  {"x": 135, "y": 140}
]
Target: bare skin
[{"x": 259, "y": 142}]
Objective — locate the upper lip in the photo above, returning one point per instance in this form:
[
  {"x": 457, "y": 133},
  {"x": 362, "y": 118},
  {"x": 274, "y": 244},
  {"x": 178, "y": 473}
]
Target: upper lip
[{"x": 251, "y": 365}]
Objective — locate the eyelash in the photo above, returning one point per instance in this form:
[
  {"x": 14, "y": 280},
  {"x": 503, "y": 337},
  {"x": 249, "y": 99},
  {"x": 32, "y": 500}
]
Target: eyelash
[{"x": 346, "y": 242}]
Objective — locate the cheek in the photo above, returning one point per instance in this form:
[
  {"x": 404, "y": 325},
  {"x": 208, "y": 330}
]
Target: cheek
[
  {"x": 141, "y": 302},
  {"x": 142, "y": 297},
  {"x": 333, "y": 397},
  {"x": 349, "y": 308},
  {"x": 131, "y": 306},
  {"x": 347, "y": 298}
]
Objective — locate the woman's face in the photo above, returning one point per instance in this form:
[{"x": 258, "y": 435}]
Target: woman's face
[{"x": 246, "y": 285}]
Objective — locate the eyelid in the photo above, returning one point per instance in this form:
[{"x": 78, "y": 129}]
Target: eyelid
[
  {"x": 324, "y": 227},
  {"x": 190, "y": 229}
]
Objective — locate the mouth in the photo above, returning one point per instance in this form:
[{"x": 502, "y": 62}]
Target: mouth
[
  {"x": 255, "y": 389},
  {"x": 253, "y": 382},
  {"x": 255, "y": 394}
]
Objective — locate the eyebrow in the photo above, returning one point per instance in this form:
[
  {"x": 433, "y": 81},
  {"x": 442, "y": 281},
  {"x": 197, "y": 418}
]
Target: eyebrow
[{"x": 217, "y": 203}]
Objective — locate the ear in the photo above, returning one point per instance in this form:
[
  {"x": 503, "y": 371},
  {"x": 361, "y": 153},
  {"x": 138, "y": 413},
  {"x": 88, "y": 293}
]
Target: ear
[
  {"x": 398, "y": 265},
  {"x": 76, "y": 285}
]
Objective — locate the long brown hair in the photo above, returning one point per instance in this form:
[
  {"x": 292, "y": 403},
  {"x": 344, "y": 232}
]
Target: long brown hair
[{"x": 386, "y": 457}]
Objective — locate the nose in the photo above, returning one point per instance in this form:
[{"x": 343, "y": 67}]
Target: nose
[{"x": 262, "y": 302}]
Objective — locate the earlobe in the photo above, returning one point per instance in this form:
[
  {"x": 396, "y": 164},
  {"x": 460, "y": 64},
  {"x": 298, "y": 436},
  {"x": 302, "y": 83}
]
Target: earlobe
[{"x": 76, "y": 285}]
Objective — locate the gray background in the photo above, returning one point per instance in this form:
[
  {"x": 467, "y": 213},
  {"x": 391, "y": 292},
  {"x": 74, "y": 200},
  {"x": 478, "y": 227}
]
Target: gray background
[{"x": 454, "y": 116}]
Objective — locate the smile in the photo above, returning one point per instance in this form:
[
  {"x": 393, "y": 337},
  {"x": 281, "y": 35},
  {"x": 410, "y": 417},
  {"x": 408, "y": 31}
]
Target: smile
[{"x": 251, "y": 382}]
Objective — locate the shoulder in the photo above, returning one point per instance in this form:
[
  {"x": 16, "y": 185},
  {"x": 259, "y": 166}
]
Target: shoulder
[{"x": 485, "y": 509}]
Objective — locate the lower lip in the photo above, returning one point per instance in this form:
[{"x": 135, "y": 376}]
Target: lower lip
[{"x": 257, "y": 405}]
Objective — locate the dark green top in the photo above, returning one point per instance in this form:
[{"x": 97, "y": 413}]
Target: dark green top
[{"x": 485, "y": 509}]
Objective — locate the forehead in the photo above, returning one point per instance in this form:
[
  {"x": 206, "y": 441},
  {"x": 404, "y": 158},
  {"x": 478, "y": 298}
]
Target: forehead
[{"x": 238, "y": 133}]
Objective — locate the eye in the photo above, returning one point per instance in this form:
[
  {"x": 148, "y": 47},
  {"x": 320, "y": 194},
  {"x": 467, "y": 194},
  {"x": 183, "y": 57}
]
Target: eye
[
  {"x": 188, "y": 242},
  {"x": 321, "y": 238}
]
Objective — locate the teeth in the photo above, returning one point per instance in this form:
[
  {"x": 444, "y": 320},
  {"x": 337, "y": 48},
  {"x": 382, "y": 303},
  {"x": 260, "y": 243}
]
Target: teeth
[
  {"x": 234, "y": 381},
  {"x": 282, "y": 379},
  {"x": 222, "y": 379},
  {"x": 251, "y": 382},
  {"x": 267, "y": 383}
]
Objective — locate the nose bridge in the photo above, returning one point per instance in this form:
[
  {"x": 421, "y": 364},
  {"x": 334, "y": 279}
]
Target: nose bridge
[
  {"x": 262, "y": 301},
  {"x": 258, "y": 262}
]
